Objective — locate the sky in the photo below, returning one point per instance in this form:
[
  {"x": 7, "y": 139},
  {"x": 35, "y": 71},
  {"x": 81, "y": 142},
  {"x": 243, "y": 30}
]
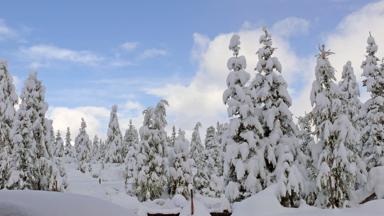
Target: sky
[{"x": 93, "y": 54}]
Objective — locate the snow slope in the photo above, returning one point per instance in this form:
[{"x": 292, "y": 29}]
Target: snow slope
[
  {"x": 111, "y": 188},
  {"x": 41, "y": 203}
]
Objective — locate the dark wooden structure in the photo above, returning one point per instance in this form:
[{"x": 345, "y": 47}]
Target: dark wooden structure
[
  {"x": 369, "y": 198},
  {"x": 159, "y": 214},
  {"x": 224, "y": 213}
]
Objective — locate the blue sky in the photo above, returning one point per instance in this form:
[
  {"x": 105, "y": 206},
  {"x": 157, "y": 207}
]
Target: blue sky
[{"x": 95, "y": 54}]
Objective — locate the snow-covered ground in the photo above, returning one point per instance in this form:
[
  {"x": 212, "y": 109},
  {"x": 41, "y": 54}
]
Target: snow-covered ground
[
  {"x": 41, "y": 203},
  {"x": 85, "y": 196}
]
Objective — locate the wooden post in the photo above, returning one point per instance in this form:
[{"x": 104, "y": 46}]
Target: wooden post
[{"x": 192, "y": 206}]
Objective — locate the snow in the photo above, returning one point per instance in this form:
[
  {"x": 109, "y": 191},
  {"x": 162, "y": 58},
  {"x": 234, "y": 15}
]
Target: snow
[
  {"x": 376, "y": 181},
  {"x": 41, "y": 203},
  {"x": 265, "y": 203},
  {"x": 85, "y": 196}
]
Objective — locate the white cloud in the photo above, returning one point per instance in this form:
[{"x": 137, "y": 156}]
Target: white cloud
[
  {"x": 200, "y": 45},
  {"x": 133, "y": 105},
  {"x": 44, "y": 52},
  {"x": 6, "y": 32},
  {"x": 153, "y": 52},
  {"x": 291, "y": 26},
  {"x": 95, "y": 117},
  {"x": 201, "y": 99},
  {"x": 129, "y": 46}
]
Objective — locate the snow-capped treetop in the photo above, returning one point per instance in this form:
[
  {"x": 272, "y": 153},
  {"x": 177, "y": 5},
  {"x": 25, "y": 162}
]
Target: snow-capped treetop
[
  {"x": 181, "y": 143},
  {"x": 160, "y": 114},
  {"x": 196, "y": 144},
  {"x": 348, "y": 82},
  {"x": 372, "y": 46},
  {"x": 267, "y": 63},
  {"x": 234, "y": 44},
  {"x": 373, "y": 77},
  {"x": 236, "y": 62},
  {"x": 34, "y": 93},
  {"x": 350, "y": 93}
]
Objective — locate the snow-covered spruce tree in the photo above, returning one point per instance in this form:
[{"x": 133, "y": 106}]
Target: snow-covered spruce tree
[
  {"x": 373, "y": 108},
  {"x": 102, "y": 150},
  {"x": 243, "y": 163},
  {"x": 83, "y": 148},
  {"x": 213, "y": 164},
  {"x": 131, "y": 140},
  {"x": 305, "y": 158},
  {"x": 220, "y": 133},
  {"x": 69, "y": 150},
  {"x": 95, "y": 150},
  {"x": 200, "y": 171},
  {"x": 151, "y": 178},
  {"x": 8, "y": 100},
  {"x": 23, "y": 171},
  {"x": 279, "y": 143},
  {"x": 170, "y": 152},
  {"x": 59, "y": 146},
  {"x": 181, "y": 169},
  {"x": 48, "y": 176},
  {"x": 336, "y": 177},
  {"x": 114, "y": 142},
  {"x": 351, "y": 106}
]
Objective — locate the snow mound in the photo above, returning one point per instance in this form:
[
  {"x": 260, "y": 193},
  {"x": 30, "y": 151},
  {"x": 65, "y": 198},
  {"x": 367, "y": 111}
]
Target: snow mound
[
  {"x": 265, "y": 203},
  {"x": 376, "y": 181},
  {"x": 42, "y": 203}
]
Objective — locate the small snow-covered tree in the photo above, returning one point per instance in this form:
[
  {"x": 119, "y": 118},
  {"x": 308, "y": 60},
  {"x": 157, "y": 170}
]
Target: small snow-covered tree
[
  {"x": 181, "y": 169},
  {"x": 69, "y": 150},
  {"x": 131, "y": 140},
  {"x": 373, "y": 108},
  {"x": 83, "y": 148},
  {"x": 170, "y": 152},
  {"x": 305, "y": 158},
  {"x": 243, "y": 172},
  {"x": 220, "y": 133},
  {"x": 213, "y": 164},
  {"x": 197, "y": 153},
  {"x": 8, "y": 100},
  {"x": 114, "y": 142},
  {"x": 59, "y": 145},
  {"x": 95, "y": 152},
  {"x": 334, "y": 131},
  {"x": 279, "y": 143},
  {"x": 151, "y": 178}
]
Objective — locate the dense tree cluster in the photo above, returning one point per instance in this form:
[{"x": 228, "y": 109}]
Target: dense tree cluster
[{"x": 323, "y": 159}]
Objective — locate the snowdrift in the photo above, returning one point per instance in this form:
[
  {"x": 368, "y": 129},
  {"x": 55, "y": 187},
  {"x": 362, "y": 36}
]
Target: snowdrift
[
  {"x": 265, "y": 203},
  {"x": 41, "y": 203}
]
